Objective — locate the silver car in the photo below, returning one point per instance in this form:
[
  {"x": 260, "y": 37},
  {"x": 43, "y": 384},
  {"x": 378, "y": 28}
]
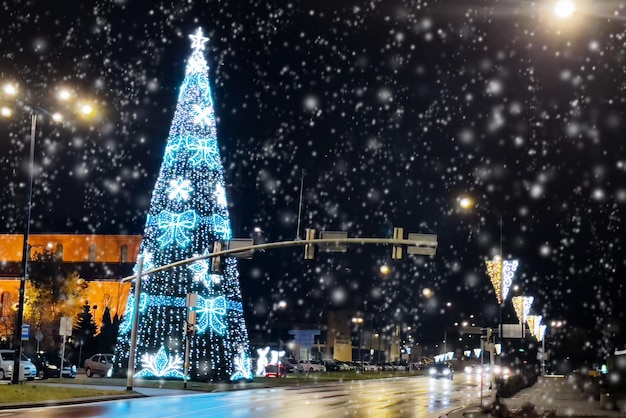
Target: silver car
[
  {"x": 100, "y": 364},
  {"x": 7, "y": 358}
]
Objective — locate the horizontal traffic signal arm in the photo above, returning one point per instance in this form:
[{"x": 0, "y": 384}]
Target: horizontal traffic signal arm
[{"x": 234, "y": 251}]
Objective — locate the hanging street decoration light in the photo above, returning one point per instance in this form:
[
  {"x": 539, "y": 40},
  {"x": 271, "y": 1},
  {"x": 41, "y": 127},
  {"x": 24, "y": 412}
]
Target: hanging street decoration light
[
  {"x": 522, "y": 305},
  {"x": 494, "y": 269},
  {"x": 509, "y": 267},
  {"x": 542, "y": 332},
  {"x": 534, "y": 324},
  {"x": 501, "y": 275}
]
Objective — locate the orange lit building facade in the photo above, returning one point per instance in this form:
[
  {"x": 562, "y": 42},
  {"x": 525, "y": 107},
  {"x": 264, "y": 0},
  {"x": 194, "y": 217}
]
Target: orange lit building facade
[{"x": 99, "y": 259}]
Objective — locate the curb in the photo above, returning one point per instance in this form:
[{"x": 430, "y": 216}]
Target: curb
[{"x": 71, "y": 401}]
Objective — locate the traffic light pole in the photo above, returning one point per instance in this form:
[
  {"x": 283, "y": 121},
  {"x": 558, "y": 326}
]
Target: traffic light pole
[
  {"x": 133, "y": 333},
  {"x": 422, "y": 244},
  {"x": 418, "y": 244}
]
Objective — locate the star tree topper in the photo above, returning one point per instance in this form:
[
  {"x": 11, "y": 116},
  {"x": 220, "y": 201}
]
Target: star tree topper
[{"x": 198, "y": 40}]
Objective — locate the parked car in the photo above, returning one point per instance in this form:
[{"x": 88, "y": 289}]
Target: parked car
[
  {"x": 291, "y": 365},
  {"x": 387, "y": 367},
  {"x": 275, "y": 370},
  {"x": 343, "y": 366},
  {"x": 7, "y": 360},
  {"x": 100, "y": 364},
  {"x": 400, "y": 365},
  {"x": 308, "y": 366},
  {"x": 331, "y": 366},
  {"x": 351, "y": 365},
  {"x": 438, "y": 370},
  {"x": 45, "y": 369},
  {"x": 366, "y": 366},
  {"x": 49, "y": 365}
]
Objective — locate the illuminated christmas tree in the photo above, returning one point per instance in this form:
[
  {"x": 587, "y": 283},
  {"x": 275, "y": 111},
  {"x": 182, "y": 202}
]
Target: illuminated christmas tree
[{"x": 188, "y": 213}]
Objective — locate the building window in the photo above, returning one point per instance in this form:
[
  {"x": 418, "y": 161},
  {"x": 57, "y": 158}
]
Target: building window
[
  {"x": 59, "y": 251},
  {"x": 124, "y": 255},
  {"x": 5, "y": 304}
]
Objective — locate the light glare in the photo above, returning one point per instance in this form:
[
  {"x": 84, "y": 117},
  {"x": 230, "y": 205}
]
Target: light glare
[
  {"x": 6, "y": 111},
  {"x": 64, "y": 94},
  {"x": 86, "y": 109},
  {"x": 10, "y": 89},
  {"x": 466, "y": 203},
  {"x": 564, "y": 9}
]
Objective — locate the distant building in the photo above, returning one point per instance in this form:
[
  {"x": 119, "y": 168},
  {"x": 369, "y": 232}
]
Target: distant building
[
  {"x": 99, "y": 259},
  {"x": 332, "y": 335}
]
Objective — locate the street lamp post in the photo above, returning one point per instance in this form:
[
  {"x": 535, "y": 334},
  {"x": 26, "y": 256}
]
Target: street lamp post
[
  {"x": 15, "y": 378},
  {"x": 359, "y": 322},
  {"x": 135, "y": 327},
  {"x": 11, "y": 90}
]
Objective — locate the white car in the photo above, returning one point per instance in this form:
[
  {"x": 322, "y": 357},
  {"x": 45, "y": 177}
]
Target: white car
[
  {"x": 366, "y": 366},
  {"x": 7, "y": 358},
  {"x": 344, "y": 367},
  {"x": 308, "y": 366}
]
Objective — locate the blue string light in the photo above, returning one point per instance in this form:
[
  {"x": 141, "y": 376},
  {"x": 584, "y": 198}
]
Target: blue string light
[{"x": 188, "y": 213}]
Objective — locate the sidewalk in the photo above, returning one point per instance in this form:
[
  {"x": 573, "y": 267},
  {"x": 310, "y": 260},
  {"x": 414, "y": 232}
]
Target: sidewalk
[{"x": 548, "y": 394}]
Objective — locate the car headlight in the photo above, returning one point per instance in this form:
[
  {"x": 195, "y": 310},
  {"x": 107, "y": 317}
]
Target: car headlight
[
  {"x": 11, "y": 368},
  {"x": 446, "y": 371},
  {"x": 73, "y": 368},
  {"x": 432, "y": 371}
]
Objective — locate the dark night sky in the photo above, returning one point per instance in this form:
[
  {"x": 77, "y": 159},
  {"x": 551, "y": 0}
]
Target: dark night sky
[{"x": 392, "y": 108}]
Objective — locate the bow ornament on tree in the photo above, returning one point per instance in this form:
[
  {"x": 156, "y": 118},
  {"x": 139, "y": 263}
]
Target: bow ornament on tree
[
  {"x": 211, "y": 313},
  {"x": 175, "y": 226}
]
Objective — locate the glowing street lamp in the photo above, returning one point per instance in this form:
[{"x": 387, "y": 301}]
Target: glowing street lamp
[
  {"x": 359, "y": 322},
  {"x": 384, "y": 269},
  {"x": 64, "y": 94},
  {"x": 11, "y": 90},
  {"x": 86, "y": 109},
  {"x": 466, "y": 202},
  {"x": 564, "y": 9}
]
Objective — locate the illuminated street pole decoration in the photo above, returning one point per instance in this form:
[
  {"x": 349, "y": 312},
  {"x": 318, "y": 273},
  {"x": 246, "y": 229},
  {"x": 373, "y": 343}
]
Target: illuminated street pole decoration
[
  {"x": 494, "y": 269},
  {"x": 534, "y": 324},
  {"x": 522, "y": 305},
  {"x": 537, "y": 327},
  {"x": 542, "y": 332},
  {"x": 188, "y": 214},
  {"x": 508, "y": 272},
  {"x": 501, "y": 275}
]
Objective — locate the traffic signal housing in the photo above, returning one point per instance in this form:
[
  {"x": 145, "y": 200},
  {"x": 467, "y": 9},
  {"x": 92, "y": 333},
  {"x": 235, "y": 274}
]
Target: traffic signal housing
[
  {"x": 216, "y": 262},
  {"x": 396, "y": 252},
  {"x": 309, "y": 249}
]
